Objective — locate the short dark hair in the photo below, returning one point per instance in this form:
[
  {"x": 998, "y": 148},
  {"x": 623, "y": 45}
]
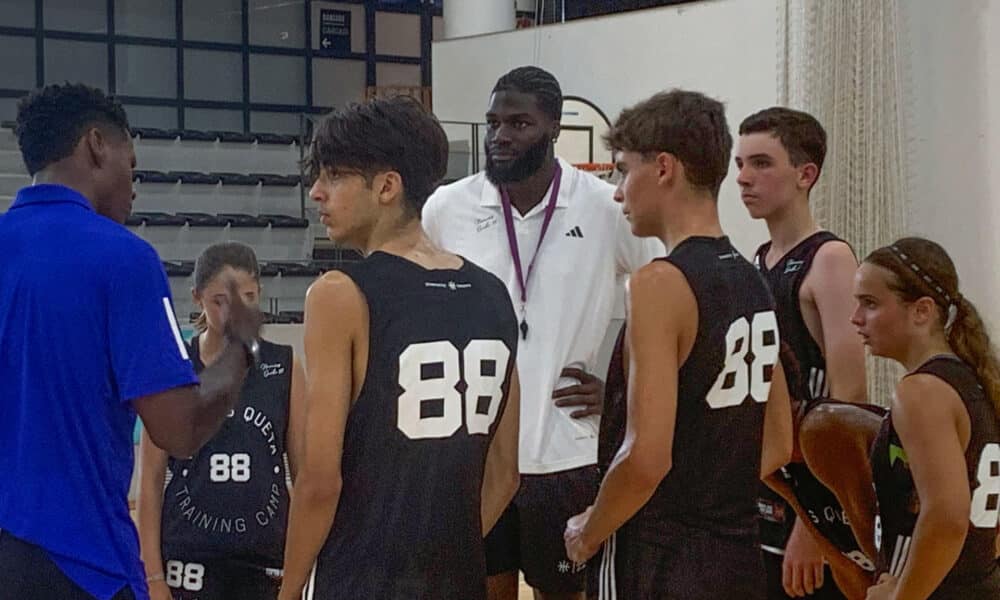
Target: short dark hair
[
  {"x": 51, "y": 120},
  {"x": 384, "y": 134},
  {"x": 539, "y": 83},
  {"x": 689, "y": 125},
  {"x": 800, "y": 133}
]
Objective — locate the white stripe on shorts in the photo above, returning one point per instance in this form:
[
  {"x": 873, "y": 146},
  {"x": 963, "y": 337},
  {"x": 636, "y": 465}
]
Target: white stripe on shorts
[
  {"x": 906, "y": 556},
  {"x": 606, "y": 583},
  {"x": 899, "y": 555},
  {"x": 309, "y": 591}
]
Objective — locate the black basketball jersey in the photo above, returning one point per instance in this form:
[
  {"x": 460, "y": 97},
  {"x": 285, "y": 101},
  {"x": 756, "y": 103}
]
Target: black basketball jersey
[
  {"x": 613, "y": 417},
  {"x": 785, "y": 279},
  {"x": 723, "y": 386},
  {"x": 899, "y": 504},
  {"x": 442, "y": 347},
  {"x": 230, "y": 501}
]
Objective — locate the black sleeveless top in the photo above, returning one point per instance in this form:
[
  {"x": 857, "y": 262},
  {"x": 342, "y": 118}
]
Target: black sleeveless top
[
  {"x": 785, "y": 279},
  {"x": 975, "y": 575},
  {"x": 230, "y": 501},
  {"x": 442, "y": 346},
  {"x": 722, "y": 390},
  {"x": 614, "y": 414}
]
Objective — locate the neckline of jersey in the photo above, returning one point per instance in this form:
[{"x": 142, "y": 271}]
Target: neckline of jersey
[
  {"x": 461, "y": 269},
  {"x": 767, "y": 247}
]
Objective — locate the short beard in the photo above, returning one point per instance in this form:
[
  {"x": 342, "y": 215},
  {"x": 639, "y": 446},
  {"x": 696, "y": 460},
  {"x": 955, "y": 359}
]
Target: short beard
[{"x": 522, "y": 167}]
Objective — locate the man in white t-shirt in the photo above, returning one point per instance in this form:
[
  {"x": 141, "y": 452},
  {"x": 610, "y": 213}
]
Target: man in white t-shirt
[{"x": 557, "y": 239}]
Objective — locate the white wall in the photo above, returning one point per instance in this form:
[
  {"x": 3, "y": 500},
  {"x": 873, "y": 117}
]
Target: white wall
[
  {"x": 952, "y": 130},
  {"x": 725, "y": 48}
]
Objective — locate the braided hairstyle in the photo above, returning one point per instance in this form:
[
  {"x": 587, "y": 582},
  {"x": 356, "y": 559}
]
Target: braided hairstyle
[{"x": 922, "y": 268}]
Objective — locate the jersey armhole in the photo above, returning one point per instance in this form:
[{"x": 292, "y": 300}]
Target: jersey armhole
[
  {"x": 349, "y": 271},
  {"x": 698, "y": 332}
]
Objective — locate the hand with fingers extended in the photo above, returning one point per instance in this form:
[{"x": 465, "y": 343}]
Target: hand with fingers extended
[
  {"x": 588, "y": 394},
  {"x": 243, "y": 320},
  {"x": 577, "y": 548},
  {"x": 802, "y": 568}
]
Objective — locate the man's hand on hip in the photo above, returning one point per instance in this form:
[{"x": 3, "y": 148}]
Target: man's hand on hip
[{"x": 588, "y": 394}]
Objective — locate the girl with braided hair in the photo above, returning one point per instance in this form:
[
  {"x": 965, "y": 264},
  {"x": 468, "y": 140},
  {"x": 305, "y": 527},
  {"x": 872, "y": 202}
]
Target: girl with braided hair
[{"x": 936, "y": 459}]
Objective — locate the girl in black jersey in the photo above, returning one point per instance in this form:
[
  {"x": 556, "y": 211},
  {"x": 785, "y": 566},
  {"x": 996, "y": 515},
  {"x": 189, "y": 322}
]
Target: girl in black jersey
[
  {"x": 936, "y": 459},
  {"x": 216, "y": 531}
]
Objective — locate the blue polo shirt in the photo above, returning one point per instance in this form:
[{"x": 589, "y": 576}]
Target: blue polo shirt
[{"x": 86, "y": 326}]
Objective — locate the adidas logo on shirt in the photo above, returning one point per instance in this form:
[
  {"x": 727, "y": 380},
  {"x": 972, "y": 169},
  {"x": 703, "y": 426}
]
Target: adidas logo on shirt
[{"x": 575, "y": 232}]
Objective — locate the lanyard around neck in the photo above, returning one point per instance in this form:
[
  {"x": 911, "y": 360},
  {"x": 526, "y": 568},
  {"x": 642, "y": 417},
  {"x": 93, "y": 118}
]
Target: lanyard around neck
[{"x": 508, "y": 215}]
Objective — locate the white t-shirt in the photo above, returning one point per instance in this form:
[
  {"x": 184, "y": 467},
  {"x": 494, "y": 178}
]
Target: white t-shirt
[{"x": 571, "y": 293}]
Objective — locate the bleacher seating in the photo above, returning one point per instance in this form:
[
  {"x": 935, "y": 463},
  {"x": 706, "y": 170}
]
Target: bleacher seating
[
  {"x": 216, "y": 152},
  {"x": 292, "y": 316},
  {"x": 10, "y": 183},
  {"x": 199, "y": 178},
  {"x": 234, "y": 136},
  {"x": 203, "y": 219},
  {"x": 151, "y": 133},
  {"x": 282, "y": 317},
  {"x": 243, "y": 220},
  {"x": 178, "y": 268},
  {"x": 12, "y": 173},
  {"x": 283, "y": 286},
  {"x": 195, "y": 188}
]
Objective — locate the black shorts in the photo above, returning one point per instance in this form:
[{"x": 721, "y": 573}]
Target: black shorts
[
  {"x": 776, "y": 519},
  {"x": 27, "y": 573},
  {"x": 529, "y": 535},
  {"x": 219, "y": 580},
  {"x": 986, "y": 588},
  {"x": 776, "y": 590},
  {"x": 638, "y": 563}
]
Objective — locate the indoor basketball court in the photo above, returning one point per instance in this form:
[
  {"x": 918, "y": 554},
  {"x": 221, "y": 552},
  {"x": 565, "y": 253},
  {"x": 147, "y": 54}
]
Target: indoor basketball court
[{"x": 242, "y": 121}]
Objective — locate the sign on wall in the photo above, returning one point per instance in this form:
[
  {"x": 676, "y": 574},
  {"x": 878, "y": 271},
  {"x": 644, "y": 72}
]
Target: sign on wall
[{"x": 335, "y": 30}]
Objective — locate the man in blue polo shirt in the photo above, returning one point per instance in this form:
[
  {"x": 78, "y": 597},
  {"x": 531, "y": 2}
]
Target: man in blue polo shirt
[{"x": 88, "y": 338}]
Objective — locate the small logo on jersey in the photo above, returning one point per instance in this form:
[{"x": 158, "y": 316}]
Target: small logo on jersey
[
  {"x": 485, "y": 223},
  {"x": 793, "y": 265},
  {"x": 771, "y": 511},
  {"x": 728, "y": 256},
  {"x": 451, "y": 285},
  {"x": 896, "y": 453},
  {"x": 566, "y": 566},
  {"x": 271, "y": 370},
  {"x": 575, "y": 232}
]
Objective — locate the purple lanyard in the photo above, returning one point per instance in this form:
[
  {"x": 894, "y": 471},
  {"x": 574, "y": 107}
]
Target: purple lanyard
[{"x": 515, "y": 253}]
